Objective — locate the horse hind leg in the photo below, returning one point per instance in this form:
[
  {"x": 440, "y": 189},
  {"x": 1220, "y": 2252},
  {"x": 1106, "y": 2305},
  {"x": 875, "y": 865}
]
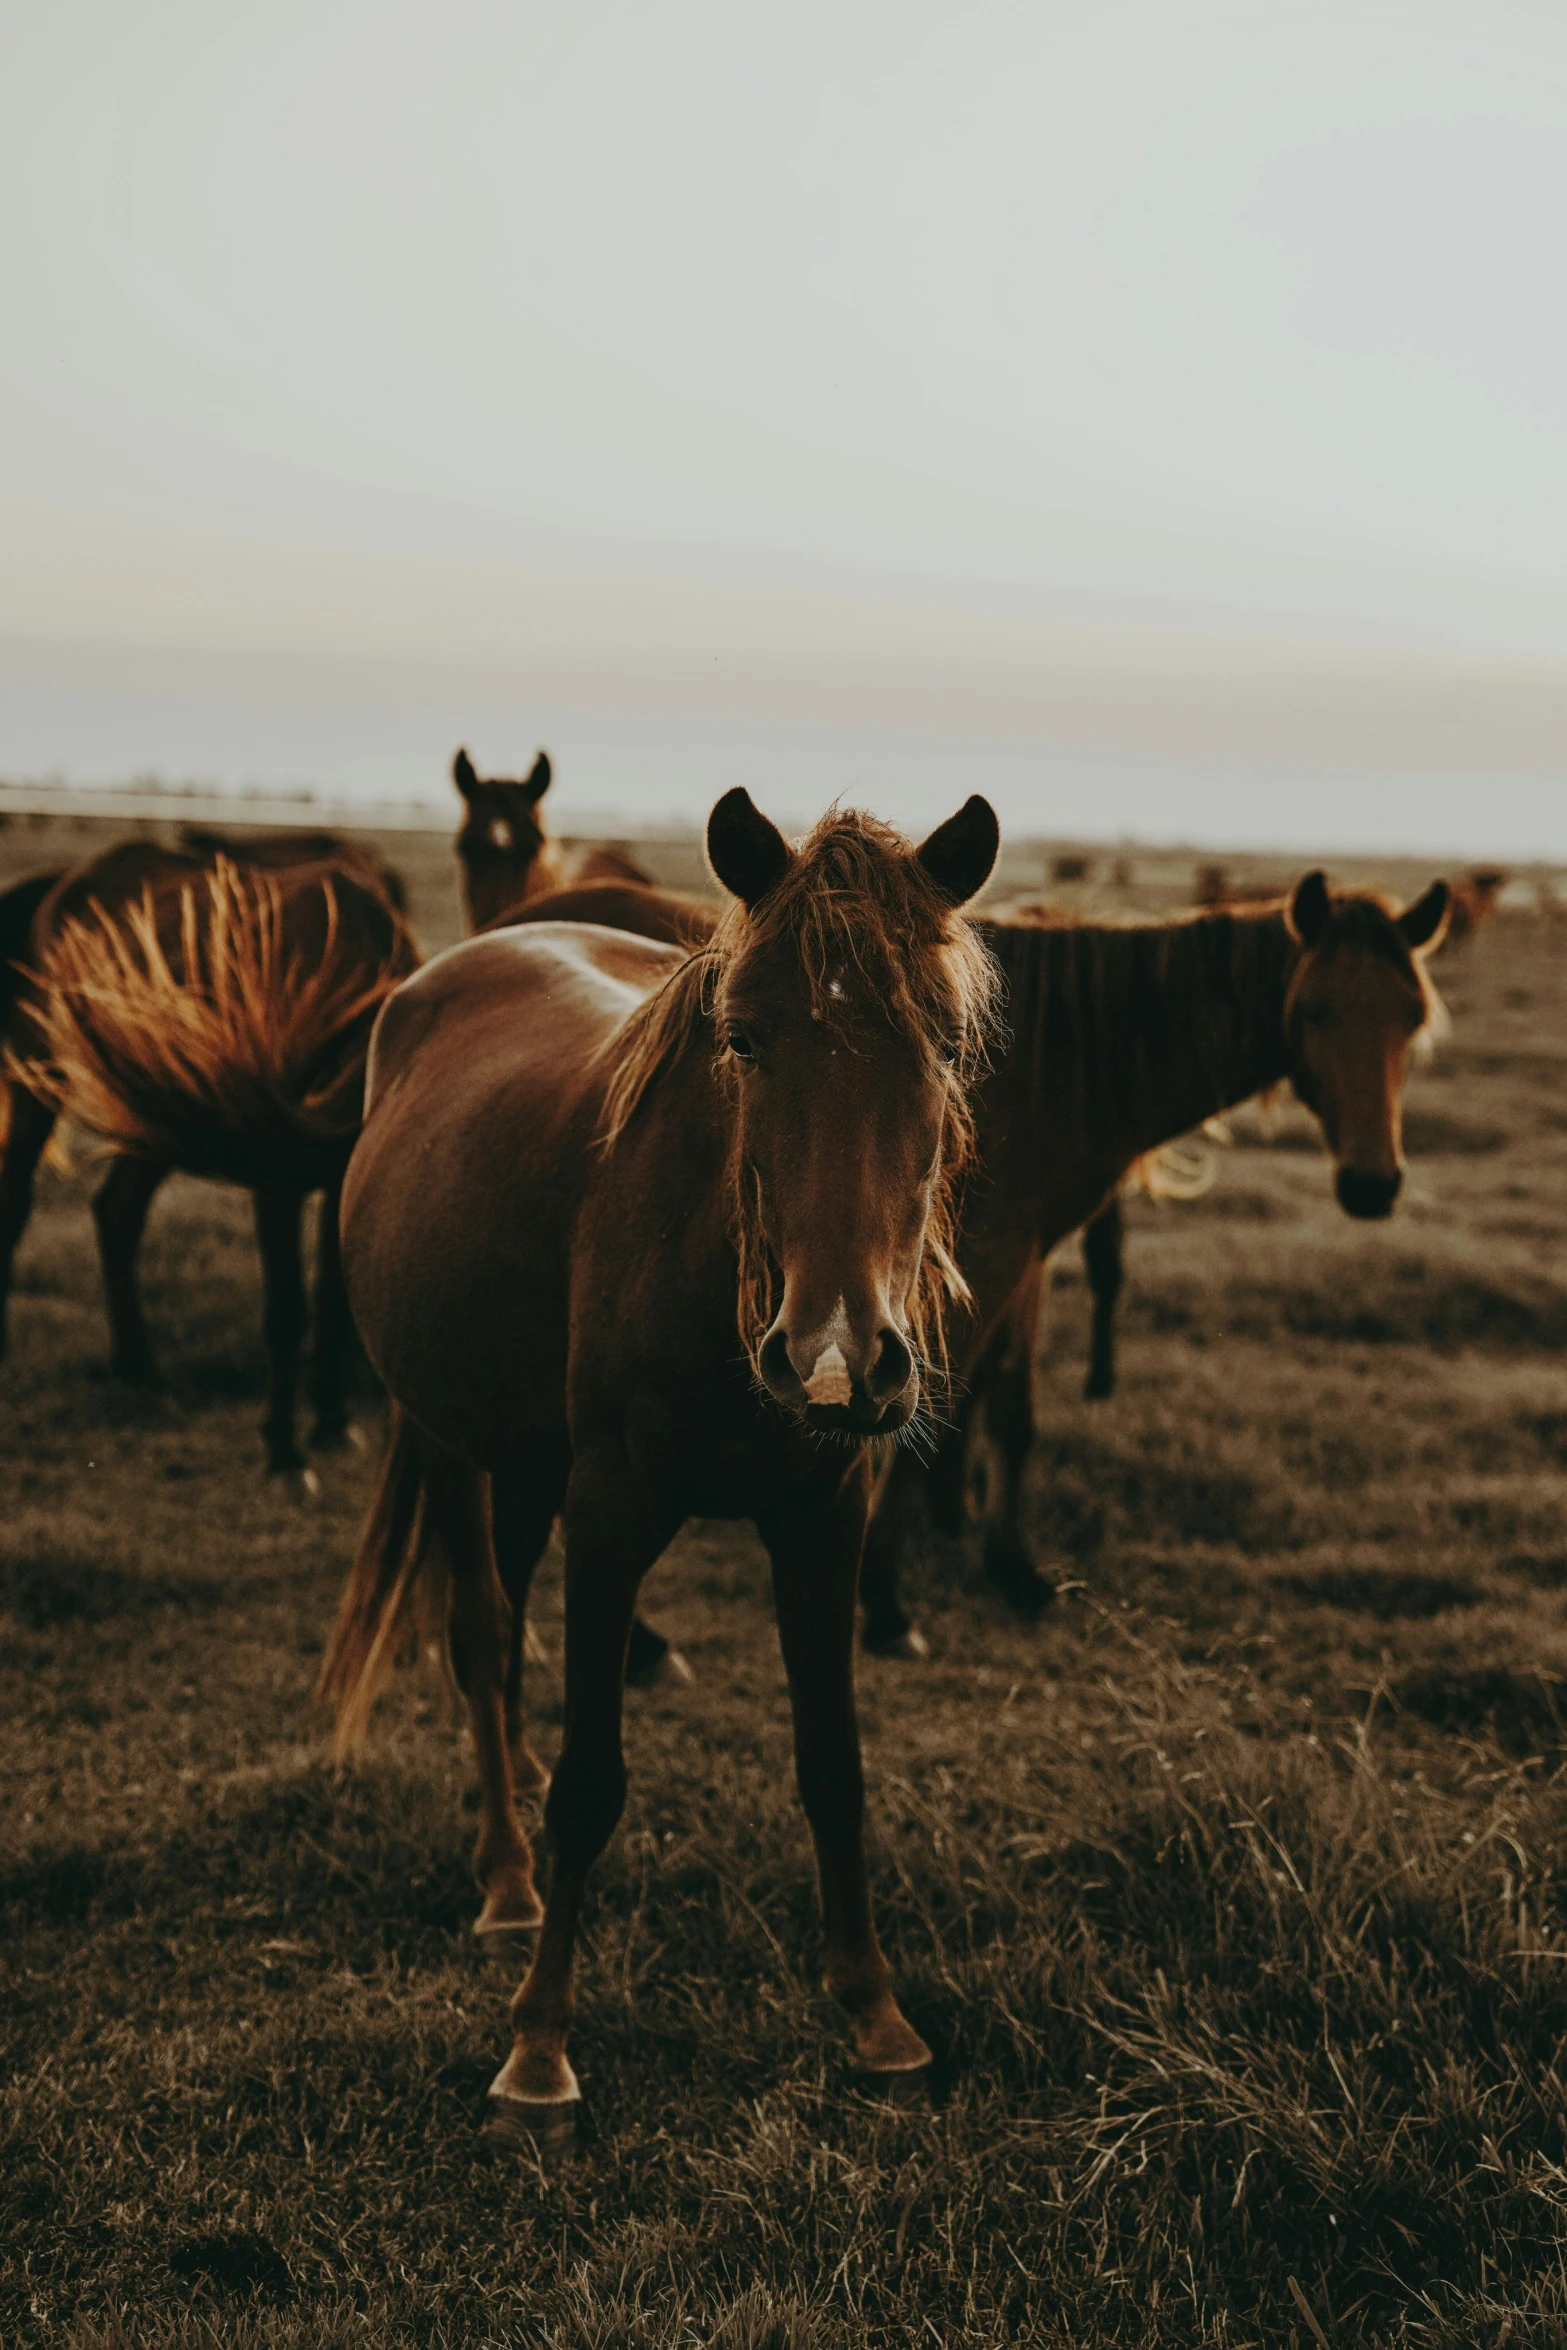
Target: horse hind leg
[
  {"x": 458, "y": 1521},
  {"x": 25, "y": 1135},
  {"x": 1104, "y": 1242},
  {"x": 613, "y": 1534},
  {"x": 1009, "y": 1431},
  {"x": 120, "y": 1208},
  {"x": 523, "y": 1506},
  {"x": 332, "y": 1335},
  {"x": 278, "y": 1212}
]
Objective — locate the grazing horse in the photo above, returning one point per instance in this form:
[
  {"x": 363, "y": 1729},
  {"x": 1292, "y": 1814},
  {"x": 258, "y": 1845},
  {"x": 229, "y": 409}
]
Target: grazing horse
[
  {"x": 210, "y": 1016},
  {"x": 633, "y": 1235},
  {"x": 1122, "y": 1038},
  {"x": 505, "y": 853}
]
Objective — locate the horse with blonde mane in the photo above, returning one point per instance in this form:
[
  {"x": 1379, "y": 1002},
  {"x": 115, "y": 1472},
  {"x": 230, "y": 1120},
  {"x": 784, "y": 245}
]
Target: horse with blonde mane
[
  {"x": 634, "y": 1235},
  {"x": 201, "y": 1013},
  {"x": 1121, "y": 1038}
]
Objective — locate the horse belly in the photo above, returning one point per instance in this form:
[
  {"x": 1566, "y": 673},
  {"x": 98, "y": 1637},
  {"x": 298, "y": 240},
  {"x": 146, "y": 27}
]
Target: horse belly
[{"x": 453, "y": 1265}]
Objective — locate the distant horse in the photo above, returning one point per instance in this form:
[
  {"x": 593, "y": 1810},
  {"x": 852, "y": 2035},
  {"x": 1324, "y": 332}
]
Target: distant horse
[
  {"x": 201, "y": 1014},
  {"x": 1121, "y": 1038},
  {"x": 633, "y": 1235},
  {"x": 1476, "y": 901},
  {"x": 505, "y": 853}
]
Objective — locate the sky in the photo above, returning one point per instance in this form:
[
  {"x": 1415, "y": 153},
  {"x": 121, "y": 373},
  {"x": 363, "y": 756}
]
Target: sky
[{"x": 1154, "y": 414}]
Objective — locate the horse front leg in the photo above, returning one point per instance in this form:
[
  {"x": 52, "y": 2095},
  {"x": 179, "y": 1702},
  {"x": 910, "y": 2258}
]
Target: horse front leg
[
  {"x": 120, "y": 1208},
  {"x": 815, "y": 1553},
  {"x": 1104, "y": 1246},
  {"x": 613, "y": 1534},
  {"x": 278, "y": 1212},
  {"x": 22, "y": 1140}
]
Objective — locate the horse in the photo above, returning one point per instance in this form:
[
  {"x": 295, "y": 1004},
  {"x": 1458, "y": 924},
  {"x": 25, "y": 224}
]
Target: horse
[
  {"x": 633, "y": 1234},
  {"x": 1476, "y": 903},
  {"x": 505, "y": 853},
  {"x": 124, "y": 1199},
  {"x": 201, "y": 1014},
  {"x": 1122, "y": 1037}
]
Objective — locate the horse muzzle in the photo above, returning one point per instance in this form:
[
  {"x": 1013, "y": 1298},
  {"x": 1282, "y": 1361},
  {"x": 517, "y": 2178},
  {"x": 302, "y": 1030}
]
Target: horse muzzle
[
  {"x": 1369, "y": 1197},
  {"x": 868, "y": 1391}
]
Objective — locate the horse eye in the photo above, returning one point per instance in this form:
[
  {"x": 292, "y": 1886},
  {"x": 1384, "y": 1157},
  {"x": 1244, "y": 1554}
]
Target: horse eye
[{"x": 740, "y": 1045}]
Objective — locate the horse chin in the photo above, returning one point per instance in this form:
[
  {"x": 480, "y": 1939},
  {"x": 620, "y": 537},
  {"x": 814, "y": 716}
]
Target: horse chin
[{"x": 853, "y": 1423}]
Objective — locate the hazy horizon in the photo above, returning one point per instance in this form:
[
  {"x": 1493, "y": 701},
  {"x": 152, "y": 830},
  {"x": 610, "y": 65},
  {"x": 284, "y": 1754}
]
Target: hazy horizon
[{"x": 1156, "y": 419}]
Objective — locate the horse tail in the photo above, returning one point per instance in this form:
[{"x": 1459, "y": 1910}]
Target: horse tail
[
  {"x": 218, "y": 1035},
  {"x": 395, "y": 1595}
]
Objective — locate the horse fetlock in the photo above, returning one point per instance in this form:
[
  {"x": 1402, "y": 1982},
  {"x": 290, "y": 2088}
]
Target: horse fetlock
[
  {"x": 1008, "y": 1565},
  {"x": 511, "y": 1903}
]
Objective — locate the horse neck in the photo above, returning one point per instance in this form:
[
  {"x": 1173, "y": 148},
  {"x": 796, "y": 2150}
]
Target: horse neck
[{"x": 1125, "y": 1036}]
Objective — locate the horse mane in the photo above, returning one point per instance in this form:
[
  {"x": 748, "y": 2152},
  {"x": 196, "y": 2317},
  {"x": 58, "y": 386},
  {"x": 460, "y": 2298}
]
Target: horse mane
[
  {"x": 1109, "y": 1006},
  {"x": 853, "y": 895},
  {"x": 229, "y": 1052},
  {"x": 1112, "y": 1005}
]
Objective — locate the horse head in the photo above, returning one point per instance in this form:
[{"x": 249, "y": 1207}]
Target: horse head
[
  {"x": 501, "y": 842},
  {"x": 851, "y": 1001},
  {"x": 1358, "y": 1000}
]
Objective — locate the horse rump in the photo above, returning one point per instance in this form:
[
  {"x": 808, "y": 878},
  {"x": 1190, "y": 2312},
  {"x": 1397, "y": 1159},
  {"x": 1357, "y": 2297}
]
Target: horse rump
[{"x": 221, "y": 1024}]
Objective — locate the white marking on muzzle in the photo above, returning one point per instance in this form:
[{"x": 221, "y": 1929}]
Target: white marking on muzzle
[{"x": 829, "y": 1381}]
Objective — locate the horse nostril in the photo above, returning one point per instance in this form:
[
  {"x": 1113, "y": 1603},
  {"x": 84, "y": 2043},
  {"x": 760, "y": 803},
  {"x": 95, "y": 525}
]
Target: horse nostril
[
  {"x": 1367, "y": 1195},
  {"x": 892, "y": 1367},
  {"x": 779, "y": 1375}
]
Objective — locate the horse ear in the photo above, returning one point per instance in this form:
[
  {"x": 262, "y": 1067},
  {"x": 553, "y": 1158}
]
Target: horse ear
[
  {"x": 1310, "y": 909},
  {"x": 959, "y": 854},
  {"x": 538, "y": 782},
  {"x": 1423, "y": 925},
  {"x": 463, "y": 775},
  {"x": 746, "y": 851}
]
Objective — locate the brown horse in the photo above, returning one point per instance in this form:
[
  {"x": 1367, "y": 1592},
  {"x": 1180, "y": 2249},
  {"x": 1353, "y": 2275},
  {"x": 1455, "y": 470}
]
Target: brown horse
[
  {"x": 506, "y": 855},
  {"x": 632, "y": 1236},
  {"x": 1122, "y": 1038},
  {"x": 201, "y": 1014},
  {"x": 124, "y": 1199}
]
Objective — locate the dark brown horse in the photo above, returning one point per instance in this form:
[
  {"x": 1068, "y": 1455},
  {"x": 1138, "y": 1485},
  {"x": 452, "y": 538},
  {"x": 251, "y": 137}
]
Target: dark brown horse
[
  {"x": 505, "y": 853},
  {"x": 633, "y": 1235},
  {"x": 1122, "y": 1038},
  {"x": 212, "y": 1016}
]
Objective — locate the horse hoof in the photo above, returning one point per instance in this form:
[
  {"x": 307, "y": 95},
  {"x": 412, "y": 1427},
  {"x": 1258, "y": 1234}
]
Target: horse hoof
[
  {"x": 910, "y": 1644},
  {"x": 666, "y": 1671},
  {"x": 502, "y": 1929},
  {"x": 349, "y": 1437},
  {"x": 300, "y": 1484},
  {"x": 515, "y": 2125},
  {"x": 909, "y": 2087}
]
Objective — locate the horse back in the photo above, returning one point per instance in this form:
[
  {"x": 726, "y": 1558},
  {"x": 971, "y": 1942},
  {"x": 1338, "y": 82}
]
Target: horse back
[{"x": 484, "y": 1100}]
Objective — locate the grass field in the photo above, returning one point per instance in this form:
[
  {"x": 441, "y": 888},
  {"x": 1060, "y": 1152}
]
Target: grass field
[{"x": 1232, "y": 1897}]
